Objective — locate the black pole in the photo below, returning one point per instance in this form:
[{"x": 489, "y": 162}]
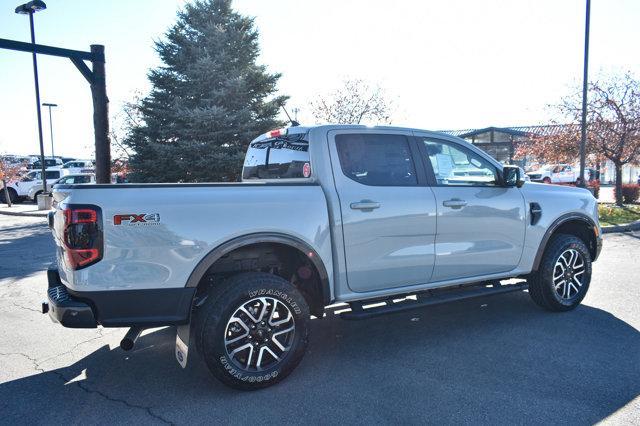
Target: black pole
[
  {"x": 583, "y": 136},
  {"x": 51, "y": 130},
  {"x": 35, "y": 76},
  {"x": 100, "y": 115}
]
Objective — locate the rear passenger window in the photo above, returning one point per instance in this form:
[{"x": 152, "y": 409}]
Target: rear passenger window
[
  {"x": 283, "y": 157},
  {"x": 53, "y": 175},
  {"x": 376, "y": 160}
]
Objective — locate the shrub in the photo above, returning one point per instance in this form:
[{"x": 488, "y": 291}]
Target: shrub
[{"x": 630, "y": 193}]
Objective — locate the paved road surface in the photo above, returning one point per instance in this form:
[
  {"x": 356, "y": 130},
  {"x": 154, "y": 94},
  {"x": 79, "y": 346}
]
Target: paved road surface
[{"x": 494, "y": 360}]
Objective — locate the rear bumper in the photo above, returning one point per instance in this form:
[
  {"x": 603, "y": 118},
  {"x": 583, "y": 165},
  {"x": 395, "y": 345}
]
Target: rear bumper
[
  {"x": 117, "y": 308},
  {"x": 65, "y": 309}
]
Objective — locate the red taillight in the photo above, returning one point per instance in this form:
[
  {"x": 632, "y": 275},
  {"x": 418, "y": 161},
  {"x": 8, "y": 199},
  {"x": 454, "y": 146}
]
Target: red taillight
[
  {"x": 73, "y": 216},
  {"x": 276, "y": 133},
  {"x": 82, "y": 235},
  {"x": 82, "y": 257}
]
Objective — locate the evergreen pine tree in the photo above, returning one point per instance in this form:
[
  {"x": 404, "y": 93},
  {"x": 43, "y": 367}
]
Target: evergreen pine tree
[{"x": 208, "y": 99}]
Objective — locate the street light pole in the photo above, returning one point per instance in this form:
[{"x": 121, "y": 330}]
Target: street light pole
[
  {"x": 50, "y": 124},
  {"x": 583, "y": 135},
  {"x": 29, "y": 9}
]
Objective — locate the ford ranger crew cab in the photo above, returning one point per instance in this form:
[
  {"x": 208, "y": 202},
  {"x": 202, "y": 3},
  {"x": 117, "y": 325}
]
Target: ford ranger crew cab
[{"x": 380, "y": 218}]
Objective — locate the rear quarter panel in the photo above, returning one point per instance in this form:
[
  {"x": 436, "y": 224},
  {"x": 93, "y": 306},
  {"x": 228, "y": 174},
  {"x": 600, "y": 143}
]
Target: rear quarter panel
[{"x": 194, "y": 220}]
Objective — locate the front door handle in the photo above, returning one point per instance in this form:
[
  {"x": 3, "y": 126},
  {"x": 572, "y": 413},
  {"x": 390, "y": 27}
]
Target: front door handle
[
  {"x": 366, "y": 205},
  {"x": 454, "y": 203}
]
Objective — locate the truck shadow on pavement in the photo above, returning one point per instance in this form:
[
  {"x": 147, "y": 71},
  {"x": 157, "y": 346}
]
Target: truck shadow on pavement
[
  {"x": 492, "y": 360},
  {"x": 25, "y": 249}
]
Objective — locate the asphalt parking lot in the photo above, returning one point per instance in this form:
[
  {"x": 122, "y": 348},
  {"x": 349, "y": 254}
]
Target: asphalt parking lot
[{"x": 493, "y": 360}]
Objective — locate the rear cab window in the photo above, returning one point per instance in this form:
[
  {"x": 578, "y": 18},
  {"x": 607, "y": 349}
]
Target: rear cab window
[{"x": 278, "y": 155}]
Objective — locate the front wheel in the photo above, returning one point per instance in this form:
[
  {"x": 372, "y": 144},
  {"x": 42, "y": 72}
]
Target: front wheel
[
  {"x": 253, "y": 330},
  {"x": 564, "y": 274},
  {"x": 546, "y": 180}
]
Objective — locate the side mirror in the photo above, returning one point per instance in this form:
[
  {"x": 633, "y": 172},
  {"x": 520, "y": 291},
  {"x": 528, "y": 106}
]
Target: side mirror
[{"x": 511, "y": 177}]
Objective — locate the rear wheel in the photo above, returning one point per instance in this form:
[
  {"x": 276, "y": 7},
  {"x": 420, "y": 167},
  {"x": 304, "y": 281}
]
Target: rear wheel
[
  {"x": 253, "y": 330},
  {"x": 13, "y": 195},
  {"x": 563, "y": 277},
  {"x": 546, "y": 180}
]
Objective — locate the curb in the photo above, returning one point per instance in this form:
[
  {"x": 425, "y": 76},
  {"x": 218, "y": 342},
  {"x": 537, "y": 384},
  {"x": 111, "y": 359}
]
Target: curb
[
  {"x": 27, "y": 214},
  {"x": 627, "y": 227}
]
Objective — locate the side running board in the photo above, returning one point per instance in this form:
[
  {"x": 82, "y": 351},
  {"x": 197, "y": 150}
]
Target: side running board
[{"x": 359, "y": 310}]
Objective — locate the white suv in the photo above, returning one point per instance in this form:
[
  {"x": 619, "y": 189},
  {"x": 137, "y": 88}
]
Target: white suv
[
  {"x": 78, "y": 166},
  {"x": 20, "y": 189},
  {"x": 64, "y": 180},
  {"x": 556, "y": 173}
]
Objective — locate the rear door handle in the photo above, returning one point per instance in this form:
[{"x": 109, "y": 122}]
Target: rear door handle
[
  {"x": 454, "y": 203},
  {"x": 365, "y": 205}
]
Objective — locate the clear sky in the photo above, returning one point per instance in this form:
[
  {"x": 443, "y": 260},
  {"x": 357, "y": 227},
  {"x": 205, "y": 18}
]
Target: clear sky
[{"x": 447, "y": 64}]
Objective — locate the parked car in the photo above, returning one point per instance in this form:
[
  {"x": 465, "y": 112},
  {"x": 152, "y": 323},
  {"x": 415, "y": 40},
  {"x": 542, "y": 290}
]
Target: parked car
[
  {"x": 78, "y": 166},
  {"x": 557, "y": 173},
  {"x": 64, "y": 180},
  {"x": 19, "y": 189},
  {"x": 15, "y": 159},
  {"x": 49, "y": 163},
  {"x": 376, "y": 217}
]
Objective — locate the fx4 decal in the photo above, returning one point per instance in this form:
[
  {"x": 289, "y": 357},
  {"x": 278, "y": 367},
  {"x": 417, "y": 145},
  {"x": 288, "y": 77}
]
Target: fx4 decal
[{"x": 137, "y": 219}]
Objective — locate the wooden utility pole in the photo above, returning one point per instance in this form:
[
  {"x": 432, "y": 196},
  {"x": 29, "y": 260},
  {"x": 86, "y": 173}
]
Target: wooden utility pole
[
  {"x": 100, "y": 116},
  {"x": 97, "y": 81}
]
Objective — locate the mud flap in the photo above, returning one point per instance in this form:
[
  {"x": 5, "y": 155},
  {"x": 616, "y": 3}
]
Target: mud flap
[{"x": 182, "y": 344}]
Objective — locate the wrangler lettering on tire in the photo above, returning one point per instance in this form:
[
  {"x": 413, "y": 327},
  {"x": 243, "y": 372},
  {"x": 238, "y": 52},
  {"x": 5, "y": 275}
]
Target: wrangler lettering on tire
[{"x": 254, "y": 332}]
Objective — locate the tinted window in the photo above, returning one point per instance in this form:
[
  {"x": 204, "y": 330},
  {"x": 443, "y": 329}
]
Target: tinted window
[
  {"x": 283, "y": 157},
  {"x": 378, "y": 160},
  {"x": 82, "y": 179},
  {"x": 52, "y": 175},
  {"x": 455, "y": 165}
]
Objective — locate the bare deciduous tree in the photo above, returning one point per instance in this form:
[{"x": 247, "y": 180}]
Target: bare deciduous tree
[
  {"x": 613, "y": 126},
  {"x": 356, "y": 102}
]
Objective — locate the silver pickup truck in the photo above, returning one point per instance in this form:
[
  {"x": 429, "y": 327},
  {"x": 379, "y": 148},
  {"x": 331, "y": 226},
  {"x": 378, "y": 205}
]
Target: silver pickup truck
[{"x": 383, "y": 219}]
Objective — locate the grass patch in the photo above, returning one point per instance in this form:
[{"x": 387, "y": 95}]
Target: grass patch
[{"x": 610, "y": 214}]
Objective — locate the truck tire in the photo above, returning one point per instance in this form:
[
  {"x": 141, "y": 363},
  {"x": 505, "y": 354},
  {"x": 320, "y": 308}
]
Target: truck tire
[
  {"x": 563, "y": 277},
  {"x": 252, "y": 330}
]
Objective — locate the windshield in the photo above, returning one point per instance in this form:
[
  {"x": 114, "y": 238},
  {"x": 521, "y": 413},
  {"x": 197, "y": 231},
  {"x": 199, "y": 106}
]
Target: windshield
[{"x": 29, "y": 177}]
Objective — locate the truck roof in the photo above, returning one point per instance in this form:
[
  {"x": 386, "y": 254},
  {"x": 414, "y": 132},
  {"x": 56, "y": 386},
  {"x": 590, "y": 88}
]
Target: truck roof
[{"x": 305, "y": 129}]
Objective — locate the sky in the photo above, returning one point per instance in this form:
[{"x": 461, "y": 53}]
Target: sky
[{"x": 454, "y": 64}]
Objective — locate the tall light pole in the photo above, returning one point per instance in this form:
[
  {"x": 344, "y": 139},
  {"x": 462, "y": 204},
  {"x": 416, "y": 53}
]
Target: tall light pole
[
  {"x": 29, "y": 9},
  {"x": 583, "y": 136},
  {"x": 50, "y": 123}
]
